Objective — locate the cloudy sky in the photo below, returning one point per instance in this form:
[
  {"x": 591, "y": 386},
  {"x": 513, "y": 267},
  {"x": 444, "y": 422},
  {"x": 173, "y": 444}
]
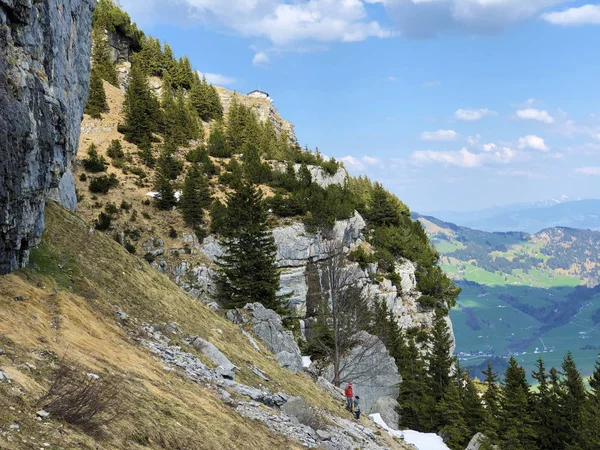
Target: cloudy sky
[{"x": 451, "y": 104}]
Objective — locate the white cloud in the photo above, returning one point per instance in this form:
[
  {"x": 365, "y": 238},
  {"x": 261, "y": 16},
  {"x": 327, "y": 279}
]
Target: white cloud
[
  {"x": 535, "y": 114},
  {"x": 261, "y": 59},
  {"x": 433, "y": 18},
  {"x": 473, "y": 114},
  {"x": 392, "y": 78},
  {"x": 359, "y": 163},
  {"x": 586, "y": 14},
  {"x": 464, "y": 157},
  {"x": 279, "y": 21},
  {"x": 533, "y": 142},
  {"x": 440, "y": 135},
  {"x": 594, "y": 171},
  {"x": 489, "y": 147},
  {"x": 218, "y": 79},
  {"x": 520, "y": 173},
  {"x": 431, "y": 84}
]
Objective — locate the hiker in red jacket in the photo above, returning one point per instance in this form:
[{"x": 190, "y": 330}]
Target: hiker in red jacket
[{"x": 349, "y": 396}]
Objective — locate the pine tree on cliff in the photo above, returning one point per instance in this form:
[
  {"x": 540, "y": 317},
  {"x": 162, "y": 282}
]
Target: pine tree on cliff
[
  {"x": 516, "y": 424},
  {"x": 141, "y": 110},
  {"x": 439, "y": 359},
  {"x": 383, "y": 211},
  {"x": 247, "y": 269},
  {"x": 101, "y": 57},
  {"x": 205, "y": 99},
  {"x": 195, "y": 197},
  {"x": 150, "y": 58},
  {"x": 97, "y": 103}
]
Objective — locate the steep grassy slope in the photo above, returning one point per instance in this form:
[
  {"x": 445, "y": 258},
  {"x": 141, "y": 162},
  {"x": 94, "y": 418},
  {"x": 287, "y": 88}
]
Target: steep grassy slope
[{"x": 77, "y": 279}]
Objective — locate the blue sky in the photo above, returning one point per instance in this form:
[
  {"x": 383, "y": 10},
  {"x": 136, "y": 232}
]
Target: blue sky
[{"x": 451, "y": 104}]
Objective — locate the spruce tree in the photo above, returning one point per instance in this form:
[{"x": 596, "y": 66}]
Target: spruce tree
[
  {"x": 150, "y": 58},
  {"x": 516, "y": 424},
  {"x": 574, "y": 397},
  {"x": 140, "y": 110},
  {"x": 195, "y": 197},
  {"x": 416, "y": 404},
  {"x": 474, "y": 415},
  {"x": 217, "y": 143},
  {"x": 545, "y": 408},
  {"x": 382, "y": 208},
  {"x": 97, "y": 103},
  {"x": 589, "y": 432},
  {"x": 450, "y": 414},
  {"x": 439, "y": 358},
  {"x": 101, "y": 57},
  {"x": 247, "y": 269},
  {"x": 162, "y": 183}
]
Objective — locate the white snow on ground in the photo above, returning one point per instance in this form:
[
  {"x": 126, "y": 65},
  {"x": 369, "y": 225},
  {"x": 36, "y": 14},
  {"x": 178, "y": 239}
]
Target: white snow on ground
[
  {"x": 423, "y": 441},
  {"x": 306, "y": 362}
]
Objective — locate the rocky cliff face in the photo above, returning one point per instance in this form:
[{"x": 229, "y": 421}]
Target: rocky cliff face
[{"x": 44, "y": 82}]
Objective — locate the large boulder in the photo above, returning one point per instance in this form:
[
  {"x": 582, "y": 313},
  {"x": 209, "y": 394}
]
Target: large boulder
[
  {"x": 44, "y": 85},
  {"x": 224, "y": 367},
  {"x": 371, "y": 369},
  {"x": 298, "y": 409},
  {"x": 387, "y": 408},
  {"x": 268, "y": 327}
]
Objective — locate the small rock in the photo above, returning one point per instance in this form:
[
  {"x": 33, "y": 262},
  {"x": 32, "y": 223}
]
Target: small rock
[
  {"x": 93, "y": 376},
  {"x": 259, "y": 373},
  {"x": 324, "y": 435},
  {"x": 19, "y": 299},
  {"x": 14, "y": 427},
  {"x": 213, "y": 306},
  {"x": 4, "y": 376},
  {"x": 218, "y": 330},
  {"x": 42, "y": 414}
]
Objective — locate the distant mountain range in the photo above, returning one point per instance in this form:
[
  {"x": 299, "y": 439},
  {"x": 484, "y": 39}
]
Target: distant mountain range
[
  {"x": 530, "y": 217},
  {"x": 522, "y": 294}
]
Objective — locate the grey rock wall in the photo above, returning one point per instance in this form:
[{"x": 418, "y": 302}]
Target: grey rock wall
[{"x": 44, "y": 83}]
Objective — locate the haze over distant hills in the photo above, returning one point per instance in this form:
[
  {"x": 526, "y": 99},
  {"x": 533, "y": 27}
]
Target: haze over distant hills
[
  {"x": 529, "y": 217},
  {"x": 522, "y": 294}
]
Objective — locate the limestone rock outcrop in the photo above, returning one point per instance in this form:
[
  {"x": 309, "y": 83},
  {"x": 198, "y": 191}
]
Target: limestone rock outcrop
[
  {"x": 372, "y": 371},
  {"x": 267, "y": 326},
  {"x": 44, "y": 84}
]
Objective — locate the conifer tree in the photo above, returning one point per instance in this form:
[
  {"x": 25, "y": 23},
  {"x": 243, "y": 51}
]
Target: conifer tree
[
  {"x": 163, "y": 184},
  {"x": 254, "y": 170},
  {"x": 450, "y": 414},
  {"x": 205, "y": 99},
  {"x": 217, "y": 143},
  {"x": 589, "y": 432},
  {"x": 150, "y": 58},
  {"x": 416, "y": 404},
  {"x": 439, "y": 359},
  {"x": 268, "y": 141},
  {"x": 516, "y": 425},
  {"x": 97, "y": 103},
  {"x": 474, "y": 415},
  {"x": 242, "y": 126},
  {"x": 382, "y": 208},
  {"x": 491, "y": 399},
  {"x": 545, "y": 408},
  {"x": 195, "y": 197},
  {"x": 247, "y": 269},
  {"x": 146, "y": 155},
  {"x": 574, "y": 397},
  {"x": 140, "y": 110},
  {"x": 101, "y": 57}
]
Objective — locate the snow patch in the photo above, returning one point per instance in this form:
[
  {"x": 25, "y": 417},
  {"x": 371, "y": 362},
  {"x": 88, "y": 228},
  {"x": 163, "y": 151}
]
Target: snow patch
[
  {"x": 423, "y": 441},
  {"x": 306, "y": 361}
]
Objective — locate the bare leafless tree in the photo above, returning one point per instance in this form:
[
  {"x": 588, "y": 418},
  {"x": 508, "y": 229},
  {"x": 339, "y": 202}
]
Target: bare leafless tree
[{"x": 344, "y": 312}]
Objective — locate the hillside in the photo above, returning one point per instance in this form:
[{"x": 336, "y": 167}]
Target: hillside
[
  {"x": 89, "y": 302},
  {"x": 530, "y": 217},
  {"x": 526, "y": 294}
]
